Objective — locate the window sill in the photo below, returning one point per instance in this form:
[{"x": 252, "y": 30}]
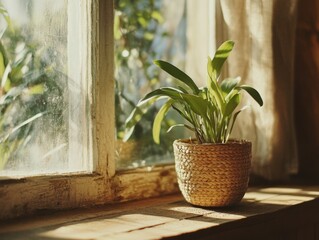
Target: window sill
[{"x": 284, "y": 212}]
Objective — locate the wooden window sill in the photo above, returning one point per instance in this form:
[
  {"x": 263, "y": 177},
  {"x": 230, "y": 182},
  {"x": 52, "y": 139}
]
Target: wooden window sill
[{"x": 283, "y": 212}]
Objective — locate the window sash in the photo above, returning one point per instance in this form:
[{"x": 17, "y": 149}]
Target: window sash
[
  {"x": 77, "y": 149},
  {"x": 30, "y": 195}
]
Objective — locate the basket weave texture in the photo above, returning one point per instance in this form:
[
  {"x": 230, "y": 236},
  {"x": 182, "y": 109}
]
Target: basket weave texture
[{"x": 213, "y": 175}]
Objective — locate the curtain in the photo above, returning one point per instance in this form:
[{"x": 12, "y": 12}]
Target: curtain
[
  {"x": 200, "y": 38},
  {"x": 263, "y": 31},
  {"x": 307, "y": 87}
]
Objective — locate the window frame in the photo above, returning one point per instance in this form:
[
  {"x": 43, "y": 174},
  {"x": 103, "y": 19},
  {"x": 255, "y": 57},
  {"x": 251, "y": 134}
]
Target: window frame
[{"x": 32, "y": 195}]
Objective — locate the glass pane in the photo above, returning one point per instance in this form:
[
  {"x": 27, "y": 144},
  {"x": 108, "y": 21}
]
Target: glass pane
[
  {"x": 43, "y": 99},
  {"x": 145, "y": 30}
]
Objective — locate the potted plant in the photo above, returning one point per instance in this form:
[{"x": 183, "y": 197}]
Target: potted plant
[{"x": 212, "y": 169}]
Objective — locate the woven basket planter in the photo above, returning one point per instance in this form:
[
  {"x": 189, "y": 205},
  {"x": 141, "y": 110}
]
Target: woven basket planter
[{"x": 212, "y": 175}]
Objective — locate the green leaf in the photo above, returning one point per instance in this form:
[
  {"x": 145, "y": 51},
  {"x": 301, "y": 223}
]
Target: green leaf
[
  {"x": 253, "y": 93},
  {"x": 178, "y": 74},
  {"x": 36, "y": 89},
  {"x": 5, "y": 76},
  {"x": 159, "y": 118},
  {"x": 149, "y": 36},
  {"x": 145, "y": 103},
  {"x": 6, "y": 17},
  {"x": 197, "y": 104},
  {"x": 234, "y": 119},
  {"x": 228, "y": 84},
  {"x": 203, "y": 92},
  {"x": 232, "y": 104},
  {"x": 213, "y": 87},
  {"x": 157, "y": 16},
  {"x": 136, "y": 116},
  {"x": 16, "y": 128},
  {"x": 210, "y": 69},
  {"x": 2, "y": 65},
  {"x": 142, "y": 21},
  {"x": 171, "y": 92},
  {"x": 181, "y": 112},
  {"x": 181, "y": 125},
  {"x": 7, "y": 86},
  {"x": 4, "y": 54},
  {"x": 182, "y": 89},
  {"x": 117, "y": 30},
  {"x": 220, "y": 57},
  {"x": 216, "y": 94}
]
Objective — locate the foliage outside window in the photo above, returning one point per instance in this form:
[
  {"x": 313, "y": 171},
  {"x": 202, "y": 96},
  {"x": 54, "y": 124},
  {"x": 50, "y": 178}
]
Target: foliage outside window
[
  {"x": 145, "y": 30},
  {"x": 34, "y": 90}
]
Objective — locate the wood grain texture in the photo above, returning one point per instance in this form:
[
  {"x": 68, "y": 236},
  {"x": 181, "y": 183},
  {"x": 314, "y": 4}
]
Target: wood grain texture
[
  {"x": 145, "y": 183},
  {"x": 103, "y": 86},
  {"x": 286, "y": 212},
  {"x": 38, "y": 194}
]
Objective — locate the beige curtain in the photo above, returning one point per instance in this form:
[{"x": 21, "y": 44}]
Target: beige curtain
[
  {"x": 201, "y": 38},
  {"x": 263, "y": 31}
]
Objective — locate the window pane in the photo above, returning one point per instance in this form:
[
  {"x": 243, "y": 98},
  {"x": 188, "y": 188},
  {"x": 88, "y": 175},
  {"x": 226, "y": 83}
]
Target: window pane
[
  {"x": 43, "y": 95},
  {"x": 145, "y": 30}
]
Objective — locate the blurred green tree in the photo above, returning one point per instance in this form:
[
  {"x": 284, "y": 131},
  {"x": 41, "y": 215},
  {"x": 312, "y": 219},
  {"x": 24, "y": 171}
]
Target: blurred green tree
[{"x": 31, "y": 89}]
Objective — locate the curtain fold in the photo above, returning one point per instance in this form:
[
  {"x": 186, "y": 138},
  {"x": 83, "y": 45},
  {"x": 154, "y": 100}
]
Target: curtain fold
[{"x": 264, "y": 33}]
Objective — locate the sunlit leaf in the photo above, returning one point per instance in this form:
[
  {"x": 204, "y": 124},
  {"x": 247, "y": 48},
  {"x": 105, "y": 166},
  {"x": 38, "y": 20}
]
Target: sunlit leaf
[
  {"x": 181, "y": 112},
  {"x": 178, "y": 74},
  {"x": 117, "y": 31},
  {"x": 229, "y": 84},
  {"x": 149, "y": 36},
  {"x": 7, "y": 86},
  {"x": 210, "y": 70},
  {"x": 157, "y": 16},
  {"x": 165, "y": 91},
  {"x": 5, "y": 76},
  {"x": 220, "y": 57},
  {"x": 197, "y": 104},
  {"x": 180, "y": 125},
  {"x": 159, "y": 118},
  {"x": 6, "y": 17},
  {"x": 36, "y": 89},
  {"x": 232, "y": 104},
  {"x": 216, "y": 95},
  {"x": 136, "y": 116},
  {"x": 234, "y": 120},
  {"x": 142, "y": 21},
  {"x": 2, "y": 65},
  {"x": 253, "y": 93}
]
